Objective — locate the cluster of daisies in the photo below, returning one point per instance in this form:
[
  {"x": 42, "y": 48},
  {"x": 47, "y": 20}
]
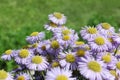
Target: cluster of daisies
[{"x": 65, "y": 56}]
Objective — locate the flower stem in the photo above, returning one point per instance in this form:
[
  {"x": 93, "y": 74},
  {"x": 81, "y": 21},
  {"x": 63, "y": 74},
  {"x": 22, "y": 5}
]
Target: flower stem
[{"x": 30, "y": 74}]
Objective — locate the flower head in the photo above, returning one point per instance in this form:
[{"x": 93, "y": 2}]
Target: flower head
[
  {"x": 35, "y": 37},
  {"x": 37, "y": 63},
  {"x": 5, "y": 75},
  {"x": 105, "y": 29},
  {"x": 8, "y": 54},
  {"x": 22, "y": 76},
  {"x": 23, "y": 56},
  {"x": 59, "y": 74},
  {"x": 100, "y": 44},
  {"x": 89, "y": 33},
  {"x": 68, "y": 60},
  {"x": 57, "y": 18},
  {"x": 94, "y": 69}
]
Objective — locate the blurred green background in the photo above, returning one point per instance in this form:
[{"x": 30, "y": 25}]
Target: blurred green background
[{"x": 19, "y": 18}]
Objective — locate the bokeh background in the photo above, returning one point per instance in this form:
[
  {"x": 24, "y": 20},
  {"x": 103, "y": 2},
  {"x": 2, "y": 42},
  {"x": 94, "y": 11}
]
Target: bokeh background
[{"x": 19, "y": 18}]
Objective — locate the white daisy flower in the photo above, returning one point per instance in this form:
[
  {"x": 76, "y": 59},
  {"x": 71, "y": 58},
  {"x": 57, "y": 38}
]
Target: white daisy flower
[
  {"x": 89, "y": 33},
  {"x": 37, "y": 63},
  {"x": 5, "y": 76},
  {"x": 22, "y": 76},
  {"x": 8, "y": 54},
  {"x": 23, "y": 56},
  {"x": 100, "y": 44},
  {"x": 94, "y": 70},
  {"x": 57, "y": 18},
  {"x": 59, "y": 74},
  {"x": 35, "y": 37},
  {"x": 68, "y": 60},
  {"x": 105, "y": 29}
]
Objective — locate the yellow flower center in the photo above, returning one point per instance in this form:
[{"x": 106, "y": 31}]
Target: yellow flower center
[
  {"x": 43, "y": 47},
  {"x": 106, "y": 26},
  {"x": 21, "y": 78},
  {"x": 92, "y": 30},
  {"x": 66, "y": 32},
  {"x": 34, "y": 34},
  {"x": 53, "y": 24},
  {"x": 87, "y": 47},
  {"x": 94, "y": 66},
  {"x": 3, "y": 75},
  {"x": 55, "y": 64},
  {"x": 8, "y": 52},
  {"x": 70, "y": 58},
  {"x": 99, "y": 41},
  {"x": 113, "y": 72},
  {"x": 37, "y": 59},
  {"x": 79, "y": 43},
  {"x": 118, "y": 65},
  {"x": 61, "y": 77},
  {"x": 66, "y": 37},
  {"x": 110, "y": 40},
  {"x": 35, "y": 45},
  {"x": 106, "y": 58},
  {"x": 80, "y": 53},
  {"x": 55, "y": 44},
  {"x": 24, "y": 53},
  {"x": 58, "y": 15}
]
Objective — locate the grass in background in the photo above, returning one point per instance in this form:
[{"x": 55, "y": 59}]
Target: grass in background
[{"x": 19, "y": 18}]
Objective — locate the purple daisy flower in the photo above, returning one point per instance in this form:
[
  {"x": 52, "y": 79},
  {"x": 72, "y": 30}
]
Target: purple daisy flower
[
  {"x": 43, "y": 47},
  {"x": 8, "y": 54},
  {"x": 89, "y": 33},
  {"x": 57, "y": 18},
  {"x": 35, "y": 37},
  {"x": 22, "y": 76},
  {"x": 105, "y": 29},
  {"x": 94, "y": 69},
  {"x": 5, "y": 75},
  {"x": 52, "y": 26},
  {"x": 59, "y": 74},
  {"x": 55, "y": 48},
  {"x": 100, "y": 44},
  {"x": 23, "y": 56},
  {"x": 116, "y": 39},
  {"x": 107, "y": 58},
  {"x": 38, "y": 63},
  {"x": 68, "y": 60}
]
